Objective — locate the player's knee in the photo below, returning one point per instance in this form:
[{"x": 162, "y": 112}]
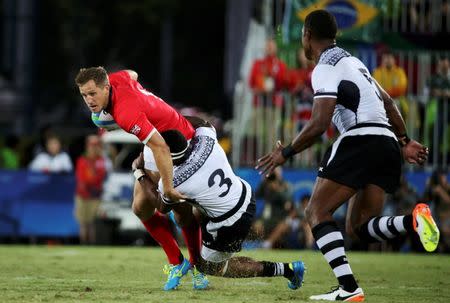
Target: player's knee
[
  {"x": 137, "y": 208},
  {"x": 209, "y": 268},
  {"x": 311, "y": 214},
  {"x": 142, "y": 208},
  {"x": 351, "y": 231},
  {"x": 183, "y": 215},
  {"x": 354, "y": 231},
  {"x": 316, "y": 212},
  {"x": 181, "y": 221}
]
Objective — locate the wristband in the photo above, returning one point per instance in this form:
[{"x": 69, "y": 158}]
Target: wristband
[
  {"x": 138, "y": 174},
  {"x": 288, "y": 151},
  {"x": 403, "y": 140}
]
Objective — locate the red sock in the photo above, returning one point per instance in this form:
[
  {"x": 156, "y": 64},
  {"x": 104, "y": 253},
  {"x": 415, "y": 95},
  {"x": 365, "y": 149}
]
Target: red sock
[
  {"x": 158, "y": 227},
  {"x": 193, "y": 238}
]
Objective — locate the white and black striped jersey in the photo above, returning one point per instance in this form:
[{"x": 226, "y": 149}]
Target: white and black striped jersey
[
  {"x": 207, "y": 178},
  {"x": 344, "y": 77}
]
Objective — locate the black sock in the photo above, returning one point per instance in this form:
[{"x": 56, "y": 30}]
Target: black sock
[
  {"x": 272, "y": 269},
  {"x": 181, "y": 258},
  {"x": 408, "y": 224},
  {"x": 378, "y": 229},
  {"x": 288, "y": 272},
  {"x": 331, "y": 243}
]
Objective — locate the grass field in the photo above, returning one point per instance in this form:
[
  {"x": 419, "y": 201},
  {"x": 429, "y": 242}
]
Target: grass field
[{"x": 131, "y": 274}]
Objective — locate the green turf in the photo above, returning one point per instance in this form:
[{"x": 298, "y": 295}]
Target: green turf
[{"x": 128, "y": 274}]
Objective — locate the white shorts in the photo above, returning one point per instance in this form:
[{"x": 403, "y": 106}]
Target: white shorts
[
  {"x": 149, "y": 159},
  {"x": 215, "y": 256}
]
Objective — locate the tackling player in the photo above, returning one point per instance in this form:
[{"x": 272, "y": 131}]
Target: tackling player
[
  {"x": 362, "y": 165},
  {"x": 224, "y": 204},
  {"x": 143, "y": 114}
]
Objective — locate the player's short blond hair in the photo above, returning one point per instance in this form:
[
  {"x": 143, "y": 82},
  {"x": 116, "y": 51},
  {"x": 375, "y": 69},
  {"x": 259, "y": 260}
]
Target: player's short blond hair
[{"x": 98, "y": 74}]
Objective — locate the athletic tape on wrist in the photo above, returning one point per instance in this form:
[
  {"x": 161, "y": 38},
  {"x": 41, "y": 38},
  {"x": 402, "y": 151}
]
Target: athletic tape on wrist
[
  {"x": 403, "y": 140},
  {"x": 138, "y": 174}
]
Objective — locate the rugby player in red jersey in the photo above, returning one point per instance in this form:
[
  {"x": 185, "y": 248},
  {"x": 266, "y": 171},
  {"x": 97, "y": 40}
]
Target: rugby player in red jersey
[{"x": 145, "y": 115}]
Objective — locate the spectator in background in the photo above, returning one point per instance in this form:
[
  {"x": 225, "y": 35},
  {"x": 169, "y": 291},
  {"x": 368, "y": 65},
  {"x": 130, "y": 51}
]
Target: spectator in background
[
  {"x": 45, "y": 132},
  {"x": 438, "y": 106},
  {"x": 53, "y": 159},
  {"x": 268, "y": 75},
  {"x": 299, "y": 79},
  {"x": 295, "y": 226},
  {"x": 277, "y": 196},
  {"x": 267, "y": 80},
  {"x": 9, "y": 158},
  {"x": 299, "y": 83},
  {"x": 438, "y": 192},
  {"x": 90, "y": 172},
  {"x": 393, "y": 79}
]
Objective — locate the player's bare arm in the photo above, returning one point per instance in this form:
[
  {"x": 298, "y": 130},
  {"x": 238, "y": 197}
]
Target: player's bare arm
[
  {"x": 163, "y": 161},
  {"x": 413, "y": 152},
  {"x": 322, "y": 112},
  {"x": 134, "y": 75},
  {"x": 149, "y": 184}
]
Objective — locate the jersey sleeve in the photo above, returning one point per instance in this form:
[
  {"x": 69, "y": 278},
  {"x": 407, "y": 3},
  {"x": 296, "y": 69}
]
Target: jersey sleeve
[
  {"x": 325, "y": 81},
  {"x": 135, "y": 122},
  {"x": 206, "y": 131}
]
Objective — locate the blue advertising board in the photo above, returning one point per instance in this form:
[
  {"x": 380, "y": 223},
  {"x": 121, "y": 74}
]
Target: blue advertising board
[{"x": 34, "y": 204}]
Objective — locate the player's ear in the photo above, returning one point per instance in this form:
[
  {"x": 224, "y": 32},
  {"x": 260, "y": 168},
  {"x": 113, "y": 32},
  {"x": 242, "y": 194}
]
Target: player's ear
[
  {"x": 307, "y": 34},
  {"x": 107, "y": 86}
]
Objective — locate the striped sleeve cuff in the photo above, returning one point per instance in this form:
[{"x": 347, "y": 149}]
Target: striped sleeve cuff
[
  {"x": 149, "y": 136},
  {"x": 325, "y": 95}
]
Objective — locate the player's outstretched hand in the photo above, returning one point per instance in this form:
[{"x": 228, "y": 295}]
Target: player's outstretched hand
[
  {"x": 138, "y": 163},
  {"x": 415, "y": 153},
  {"x": 267, "y": 163},
  {"x": 174, "y": 196}
]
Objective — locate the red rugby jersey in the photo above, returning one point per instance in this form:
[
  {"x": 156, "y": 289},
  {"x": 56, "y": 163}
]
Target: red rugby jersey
[{"x": 140, "y": 112}]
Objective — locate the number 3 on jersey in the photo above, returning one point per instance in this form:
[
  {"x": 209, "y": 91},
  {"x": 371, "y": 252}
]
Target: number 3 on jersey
[{"x": 222, "y": 181}]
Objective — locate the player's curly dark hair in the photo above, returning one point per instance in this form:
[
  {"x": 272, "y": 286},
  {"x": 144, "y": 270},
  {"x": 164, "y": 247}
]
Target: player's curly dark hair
[
  {"x": 177, "y": 144},
  {"x": 98, "y": 74},
  {"x": 322, "y": 24}
]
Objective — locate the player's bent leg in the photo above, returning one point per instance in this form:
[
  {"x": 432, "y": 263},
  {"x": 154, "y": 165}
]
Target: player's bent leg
[
  {"x": 143, "y": 206},
  {"x": 191, "y": 231},
  {"x": 327, "y": 196},
  {"x": 222, "y": 264},
  {"x": 363, "y": 219},
  {"x": 364, "y": 205},
  {"x": 159, "y": 228},
  {"x": 193, "y": 238}
]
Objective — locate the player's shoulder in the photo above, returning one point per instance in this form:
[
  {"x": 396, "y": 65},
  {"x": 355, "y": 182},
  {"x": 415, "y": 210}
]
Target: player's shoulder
[
  {"x": 206, "y": 131},
  {"x": 121, "y": 75},
  {"x": 332, "y": 55}
]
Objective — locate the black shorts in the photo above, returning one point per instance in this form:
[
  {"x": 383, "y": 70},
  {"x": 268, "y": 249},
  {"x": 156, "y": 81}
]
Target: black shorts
[
  {"x": 363, "y": 159},
  {"x": 230, "y": 238}
]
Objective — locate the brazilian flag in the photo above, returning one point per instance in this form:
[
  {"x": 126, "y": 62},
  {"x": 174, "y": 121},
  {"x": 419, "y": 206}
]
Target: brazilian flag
[{"x": 357, "y": 19}]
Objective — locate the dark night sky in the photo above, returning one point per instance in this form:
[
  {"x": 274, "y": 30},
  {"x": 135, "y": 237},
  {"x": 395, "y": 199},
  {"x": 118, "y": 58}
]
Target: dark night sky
[{"x": 127, "y": 34}]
